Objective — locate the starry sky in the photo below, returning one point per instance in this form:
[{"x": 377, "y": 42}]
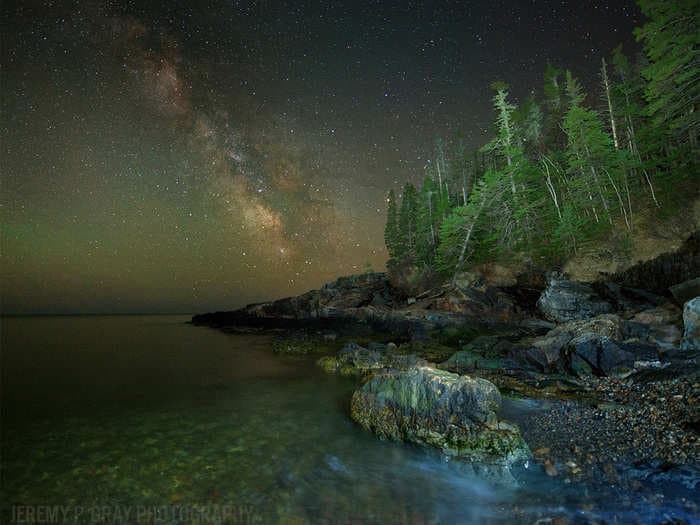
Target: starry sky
[{"x": 178, "y": 156}]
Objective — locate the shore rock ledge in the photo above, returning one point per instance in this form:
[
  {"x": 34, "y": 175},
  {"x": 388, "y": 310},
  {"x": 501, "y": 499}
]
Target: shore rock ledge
[
  {"x": 565, "y": 300},
  {"x": 434, "y": 407}
]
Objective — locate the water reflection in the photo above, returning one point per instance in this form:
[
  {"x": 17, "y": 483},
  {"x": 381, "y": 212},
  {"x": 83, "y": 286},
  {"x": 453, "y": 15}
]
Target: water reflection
[{"x": 155, "y": 412}]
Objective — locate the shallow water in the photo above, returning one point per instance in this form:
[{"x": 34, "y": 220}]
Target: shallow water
[{"x": 148, "y": 414}]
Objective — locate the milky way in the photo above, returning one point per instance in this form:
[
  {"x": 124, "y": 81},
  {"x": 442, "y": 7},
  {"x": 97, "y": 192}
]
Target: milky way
[{"x": 162, "y": 156}]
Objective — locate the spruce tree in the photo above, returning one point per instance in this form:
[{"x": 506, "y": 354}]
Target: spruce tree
[
  {"x": 628, "y": 87},
  {"x": 671, "y": 38},
  {"x": 407, "y": 222},
  {"x": 427, "y": 223},
  {"x": 555, "y": 107},
  {"x": 391, "y": 230},
  {"x": 592, "y": 163}
]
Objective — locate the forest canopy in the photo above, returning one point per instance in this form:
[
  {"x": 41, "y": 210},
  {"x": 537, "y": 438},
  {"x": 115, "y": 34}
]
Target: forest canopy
[{"x": 565, "y": 167}]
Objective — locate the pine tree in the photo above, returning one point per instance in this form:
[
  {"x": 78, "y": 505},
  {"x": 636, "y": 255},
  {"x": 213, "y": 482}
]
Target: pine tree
[{"x": 558, "y": 172}]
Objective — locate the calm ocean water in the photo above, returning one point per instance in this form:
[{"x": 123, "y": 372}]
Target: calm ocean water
[{"x": 107, "y": 417}]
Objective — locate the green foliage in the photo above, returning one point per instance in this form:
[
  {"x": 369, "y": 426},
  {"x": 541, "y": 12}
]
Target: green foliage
[
  {"x": 553, "y": 179},
  {"x": 408, "y": 216},
  {"x": 671, "y": 38},
  {"x": 391, "y": 230},
  {"x": 459, "y": 231},
  {"x": 427, "y": 223}
]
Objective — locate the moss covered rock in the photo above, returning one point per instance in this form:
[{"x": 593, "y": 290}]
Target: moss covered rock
[
  {"x": 354, "y": 359},
  {"x": 433, "y": 407}
]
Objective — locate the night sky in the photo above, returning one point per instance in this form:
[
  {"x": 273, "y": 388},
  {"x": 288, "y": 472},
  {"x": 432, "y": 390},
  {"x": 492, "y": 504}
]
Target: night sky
[{"x": 181, "y": 156}]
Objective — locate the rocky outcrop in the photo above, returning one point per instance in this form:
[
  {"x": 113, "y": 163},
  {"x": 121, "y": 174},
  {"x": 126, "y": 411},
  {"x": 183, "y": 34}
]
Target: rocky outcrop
[
  {"x": 602, "y": 356},
  {"x": 606, "y": 345},
  {"x": 368, "y": 300},
  {"x": 456, "y": 414},
  {"x": 354, "y": 359},
  {"x": 478, "y": 301},
  {"x": 660, "y": 325},
  {"x": 660, "y": 274},
  {"x": 345, "y": 293},
  {"x": 565, "y": 300},
  {"x": 625, "y": 298},
  {"x": 691, "y": 323},
  {"x": 546, "y": 352},
  {"x": 687, "y": 290}
]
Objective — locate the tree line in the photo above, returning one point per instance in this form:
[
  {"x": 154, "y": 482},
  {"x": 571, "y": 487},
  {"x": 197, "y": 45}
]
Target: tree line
[{"x": 563, "y": 169}]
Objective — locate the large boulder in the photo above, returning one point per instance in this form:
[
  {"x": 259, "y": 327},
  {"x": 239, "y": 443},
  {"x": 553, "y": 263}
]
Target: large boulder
[
  {"x": 605, "y": 345},
  {"x": 354, "y": 291},
  {"x": 565, "y": 300},
  {"x": 546, "y": 352},
  {"x": 660, "y": 325},
  {"x": 478, "y": 302},
  {"x": 687, "y": 290},
  {"x": 691, "y": 324},
  {"x": 437, "y": 408},
  {"x": 599, "y": 355}
]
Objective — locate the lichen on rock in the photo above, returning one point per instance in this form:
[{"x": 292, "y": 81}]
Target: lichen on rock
[{"x": 437, "y": 408}]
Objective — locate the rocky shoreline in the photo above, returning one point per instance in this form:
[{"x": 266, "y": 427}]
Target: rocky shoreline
[{"x": 618, "y": 362}]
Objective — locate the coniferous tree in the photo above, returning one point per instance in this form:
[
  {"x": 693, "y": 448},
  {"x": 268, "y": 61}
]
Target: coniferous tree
[
  {"x": 555, "y": 107},
  {"x": 558, "y": 172},
  {"x": 407, "y": 221},
  {"x": 671, "y": 38},
  {"x": 459, "y": 231},
  {"x": 592, "y": 162},
  {"x": 607, "y": 95},
  {"x": 530, "y": 125},
  {"x": 513, "y": 219},
  {"x": 427, "y": 223},
  {"x": 628, "y": 90},
  {"x": 391, "y": 230}
]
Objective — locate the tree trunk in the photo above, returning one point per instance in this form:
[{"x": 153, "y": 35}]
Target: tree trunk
[{"x": 606, "y": 85}]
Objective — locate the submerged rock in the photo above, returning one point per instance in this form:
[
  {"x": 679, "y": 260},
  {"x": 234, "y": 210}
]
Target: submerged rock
[
  {"x": 660, "y": 472},
  {"x": 433, "y": 407},
  {"x": 691, "y": 324},
  {"x": 565, "y": 300}
]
